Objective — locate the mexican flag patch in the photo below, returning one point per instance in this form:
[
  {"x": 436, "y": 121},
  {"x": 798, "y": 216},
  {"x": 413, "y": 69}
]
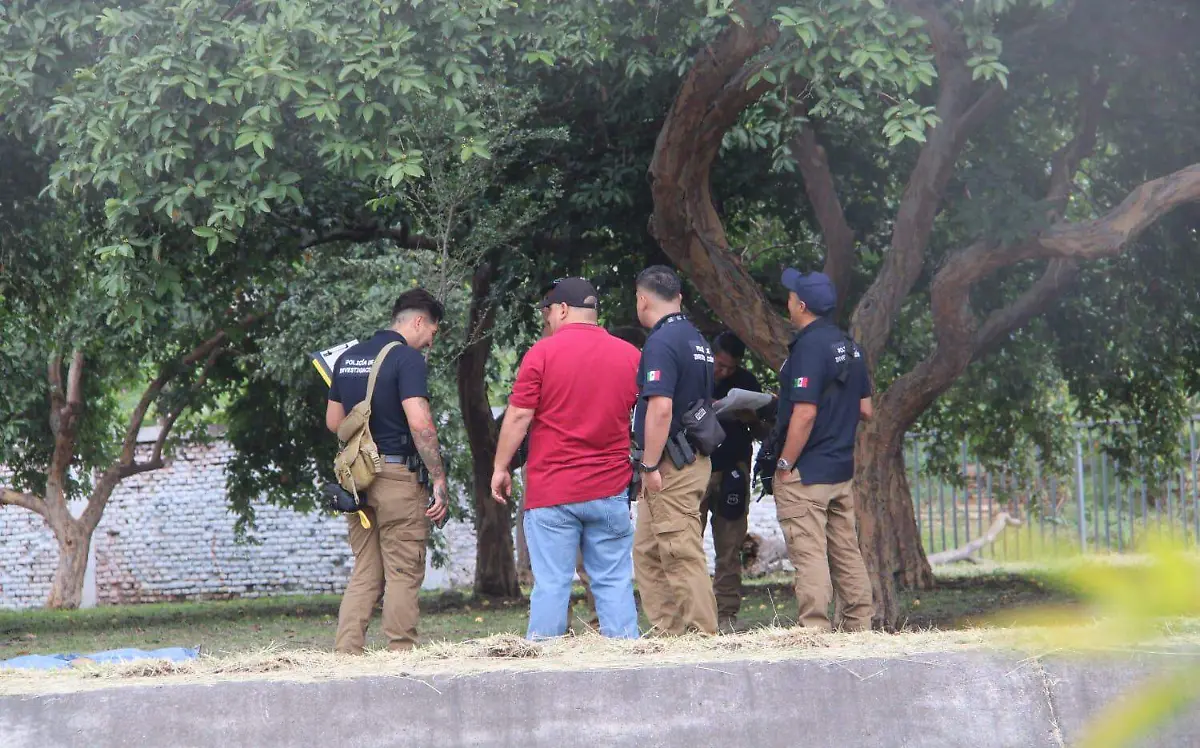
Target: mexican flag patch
[
  {"x": 800, "y": 383},
  {"x": 654, "y": 376}
]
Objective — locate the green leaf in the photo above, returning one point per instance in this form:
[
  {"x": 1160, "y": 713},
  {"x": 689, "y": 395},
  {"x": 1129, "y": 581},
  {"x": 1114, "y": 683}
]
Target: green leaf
[{"x": 205, "y": 232}]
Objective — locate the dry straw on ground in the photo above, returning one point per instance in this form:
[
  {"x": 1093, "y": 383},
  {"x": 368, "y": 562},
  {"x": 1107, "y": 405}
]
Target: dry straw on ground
[
  {"x": 503, "y": 652},
  {"x": 506, "y": 652}
]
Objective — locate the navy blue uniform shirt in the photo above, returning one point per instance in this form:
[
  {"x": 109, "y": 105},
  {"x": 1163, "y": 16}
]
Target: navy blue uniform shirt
[
  {"x": 676, "y": 363},
  {"x": 738, "y": 445},
  {"x": 811, "y": 367},
  {"x": 402, "y": 376}
]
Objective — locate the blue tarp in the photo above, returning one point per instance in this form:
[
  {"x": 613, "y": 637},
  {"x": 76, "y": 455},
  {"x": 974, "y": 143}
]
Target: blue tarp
[{"x": 56, "y": 661}]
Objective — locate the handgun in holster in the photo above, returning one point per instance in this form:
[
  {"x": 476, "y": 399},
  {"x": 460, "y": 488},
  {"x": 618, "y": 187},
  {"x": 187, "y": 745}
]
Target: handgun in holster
[
  {"x": 414, "y": 463},
  {"x": 764, "y": 466},
  {"x": 635, "y": 481},
  {"x": 679, "y": 450}
]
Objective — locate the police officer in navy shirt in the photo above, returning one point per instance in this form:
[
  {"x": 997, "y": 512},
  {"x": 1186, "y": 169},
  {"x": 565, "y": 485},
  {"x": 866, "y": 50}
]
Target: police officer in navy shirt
[
  {"x": 676, "y": 371},
  {"x": 824, "y": 390},
  {"x": 389, "y": 556}
]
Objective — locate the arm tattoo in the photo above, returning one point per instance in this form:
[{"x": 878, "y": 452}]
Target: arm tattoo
[{"x": 427, "y": 446}]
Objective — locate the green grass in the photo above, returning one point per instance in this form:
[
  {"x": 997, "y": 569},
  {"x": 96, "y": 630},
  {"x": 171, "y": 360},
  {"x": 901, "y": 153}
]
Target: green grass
[{"x": 310, "y": 622}]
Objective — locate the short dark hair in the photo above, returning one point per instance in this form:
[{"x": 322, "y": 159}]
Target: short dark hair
[
  {"x": 661, "y": 281},
  {"x": 731, "y": 344},
  {"x": 418, "y": 300}
]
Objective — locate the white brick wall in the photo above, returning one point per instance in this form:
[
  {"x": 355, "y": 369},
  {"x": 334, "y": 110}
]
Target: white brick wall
[{"x": 168, "y": 535}]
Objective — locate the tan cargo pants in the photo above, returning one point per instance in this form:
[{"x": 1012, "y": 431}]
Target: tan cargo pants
[
  {"x": 668, "y": 553},
  {"x": 818, "y": 525},
  {"x": 389, "y": 560},
  {"x": 728, "y": 536}
]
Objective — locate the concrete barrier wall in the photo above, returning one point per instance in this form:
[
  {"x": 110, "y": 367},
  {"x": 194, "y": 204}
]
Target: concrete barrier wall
[{"x": 936, "y": 701}]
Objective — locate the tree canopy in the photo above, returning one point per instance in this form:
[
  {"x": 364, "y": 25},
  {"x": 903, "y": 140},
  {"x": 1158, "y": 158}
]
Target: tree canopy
[{"x": 1003, "y": 191}]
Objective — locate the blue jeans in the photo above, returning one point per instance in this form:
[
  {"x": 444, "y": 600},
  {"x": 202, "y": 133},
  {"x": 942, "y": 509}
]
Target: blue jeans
[{"x": 555, "y": 534}]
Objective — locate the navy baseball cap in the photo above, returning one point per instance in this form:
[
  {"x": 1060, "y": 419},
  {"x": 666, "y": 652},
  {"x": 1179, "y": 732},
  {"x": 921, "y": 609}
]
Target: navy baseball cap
[{"x": 816, "y": 290}]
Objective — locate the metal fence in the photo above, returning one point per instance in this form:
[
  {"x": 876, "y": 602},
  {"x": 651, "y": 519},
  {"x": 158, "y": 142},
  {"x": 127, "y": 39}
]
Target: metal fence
[{"x": 1091, "y": 507}]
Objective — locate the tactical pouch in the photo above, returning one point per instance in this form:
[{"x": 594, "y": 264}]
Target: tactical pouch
[
  {"x": 701, "y": 427},
  {"x": 358, "y": 462}
]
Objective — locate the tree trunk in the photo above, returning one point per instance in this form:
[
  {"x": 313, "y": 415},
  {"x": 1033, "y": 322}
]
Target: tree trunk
[
  {"x": 887, "y": 526},
  {"x": 495, "y": 567},
  {"x": 74, "y": 539}
]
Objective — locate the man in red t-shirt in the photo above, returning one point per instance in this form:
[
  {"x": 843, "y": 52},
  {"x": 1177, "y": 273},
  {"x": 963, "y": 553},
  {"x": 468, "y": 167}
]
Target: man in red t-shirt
[{"x": 573, "y": 395}]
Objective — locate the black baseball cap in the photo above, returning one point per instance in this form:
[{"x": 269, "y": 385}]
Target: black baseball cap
[{"x": 574, "y": 292}]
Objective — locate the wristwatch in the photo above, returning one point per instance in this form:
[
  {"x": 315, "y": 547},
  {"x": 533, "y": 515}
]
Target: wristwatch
[
  {"x": 644, "y": 468},
  {"x": 783, "y": 465}
]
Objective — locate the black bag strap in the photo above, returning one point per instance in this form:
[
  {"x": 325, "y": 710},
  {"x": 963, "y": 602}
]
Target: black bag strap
[
  {"x": 843, "y": 368},
  {"x": 374, "y": 375}
]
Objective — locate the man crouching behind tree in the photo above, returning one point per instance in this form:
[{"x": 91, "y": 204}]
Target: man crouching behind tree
[{"x": 389, "y": 556}]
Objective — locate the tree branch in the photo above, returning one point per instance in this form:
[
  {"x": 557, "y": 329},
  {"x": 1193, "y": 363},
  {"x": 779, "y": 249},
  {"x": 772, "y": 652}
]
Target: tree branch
[
  {"x": 822, "y": 193},
  {"x": 979, "y": 112},
  {"x": 1002, "y": 522},
  {"x": 962, "y": 112},
  {"x": 876, "y": 313},
  {"x": 166, "y": 373},
  {"x": 1057, "y": 278},
  {"x": 25, "y": 500},
  {"x": 1092, "y": 94},
  {"x": 685, "y": 222},
  {"x": 75, "y": 380},
  {"x": 126, "y": 465},
  {"x": 65, "y": 407},
  {"x": 168, "y": 423},
  {"x": 1108, "y": 235},
  {"x": 734, "y": 97},
  {"x": 58, "y": 397}
]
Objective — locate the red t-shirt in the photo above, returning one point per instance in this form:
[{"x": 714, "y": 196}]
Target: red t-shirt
[{"x": 581, "y": 384}]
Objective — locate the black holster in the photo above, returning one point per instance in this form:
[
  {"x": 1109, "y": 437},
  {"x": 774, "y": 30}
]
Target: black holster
[
  {"x": 768, "y": 455},
  {"x": 635, "y": 481},
  {"x": 416, "y": 465},
  {"x": 679, "y": 450}
]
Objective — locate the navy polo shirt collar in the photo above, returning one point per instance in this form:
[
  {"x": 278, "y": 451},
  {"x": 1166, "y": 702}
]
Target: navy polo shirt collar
[
  {"x": 673, "y": 317},
  {"x": 816, "y": 324},
  {"x": 391, "y": 336}
]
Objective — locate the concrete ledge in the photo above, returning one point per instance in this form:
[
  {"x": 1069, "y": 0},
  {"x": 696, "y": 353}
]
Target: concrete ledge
[{"x": 952, "y": 700}]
